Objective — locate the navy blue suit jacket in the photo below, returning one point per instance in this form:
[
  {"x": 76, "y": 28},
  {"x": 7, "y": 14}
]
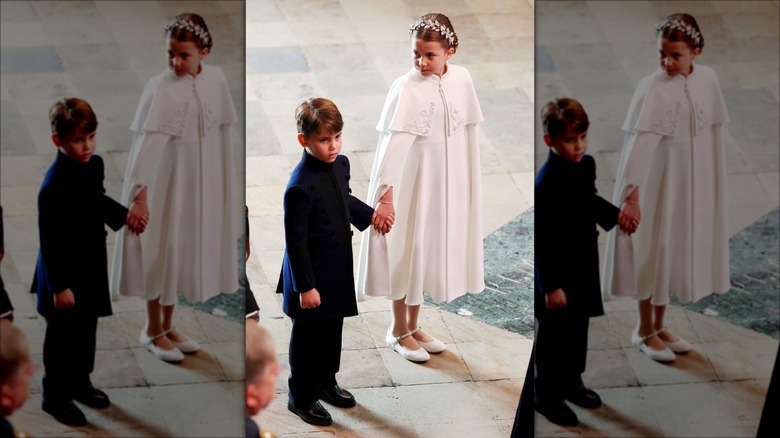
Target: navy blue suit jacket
[
  {"x": 318, "y": 210},
  {"x": 566, "y": 249},
  {"x": 72, "y": 212}
]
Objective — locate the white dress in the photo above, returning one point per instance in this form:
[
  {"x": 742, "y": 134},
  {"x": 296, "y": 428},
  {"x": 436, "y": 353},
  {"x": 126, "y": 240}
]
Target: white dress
[
  {"x": 429, "y": 153},
  {"x": 674, "y": 153},
  {"x": 182, "y": 151}
]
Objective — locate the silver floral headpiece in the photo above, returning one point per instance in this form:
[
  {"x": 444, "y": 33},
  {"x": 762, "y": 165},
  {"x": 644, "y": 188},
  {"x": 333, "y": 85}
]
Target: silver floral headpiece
[
  {"x": 687, "y": 29},
  {"x": 434, "y": 26},
  {"x": 190, "y": 26}
]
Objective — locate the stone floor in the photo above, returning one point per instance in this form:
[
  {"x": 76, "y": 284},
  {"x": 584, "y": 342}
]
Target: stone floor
[
  {"x": 597, "y": 52},
  {"x": 350, "y": 51},
  {"x": 105, "y": 52}
]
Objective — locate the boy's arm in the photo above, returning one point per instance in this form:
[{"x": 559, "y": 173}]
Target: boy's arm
[
  {"x": 360, "y": 213},
  {"x": 52, "y": 232},
  {"x": 297, "y": 206},
  {"x": 114, "y": 213},
  {"x": 606, "y": 213},
  {"x": 549, "y": 271}
]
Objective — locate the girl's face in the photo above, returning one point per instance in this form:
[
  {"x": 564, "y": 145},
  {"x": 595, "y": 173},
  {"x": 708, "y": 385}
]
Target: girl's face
[
  {"x": 430, "y": 57},
  {"x": 676, "y": 56},
  {"x": 184, "y": 57}
]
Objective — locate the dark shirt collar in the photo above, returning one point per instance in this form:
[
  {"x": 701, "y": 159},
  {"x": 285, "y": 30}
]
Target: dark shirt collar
[
  {"x": 560, "y": 161},
  {"x": 313, "y": 163}
]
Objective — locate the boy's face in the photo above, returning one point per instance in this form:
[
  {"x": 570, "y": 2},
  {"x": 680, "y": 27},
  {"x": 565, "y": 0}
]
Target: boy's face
[
  {"x": 184, "y": 57},
  {"x": 324, "y": 145},
  {"x": 78, "y": 146},
  {"x": 570, "y": 145},
  {"x": 14, "y": 393}
]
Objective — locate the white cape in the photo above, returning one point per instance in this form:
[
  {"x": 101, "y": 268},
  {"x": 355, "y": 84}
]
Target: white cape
[
  {"x": 428, "y": 152},
  {"x": 181, "y": 151},
  {"x": 673, "y": 151}
]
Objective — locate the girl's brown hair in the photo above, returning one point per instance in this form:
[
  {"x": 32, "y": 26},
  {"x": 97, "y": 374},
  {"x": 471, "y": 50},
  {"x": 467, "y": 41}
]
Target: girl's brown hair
[
  {"x": 190, "y": 27},
  {"x": 435, "y": 27},
  {"x": 681, "y": 27}
]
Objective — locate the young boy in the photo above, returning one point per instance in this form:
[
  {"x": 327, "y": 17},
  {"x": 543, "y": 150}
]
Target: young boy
[
  {"x": 317, "y": 273},
  {"x": 262, "y": 369},
  {"x": 72, "y": 274},
  {"x": 567, "y": 290},
  {"x": 16, "y": 370}
]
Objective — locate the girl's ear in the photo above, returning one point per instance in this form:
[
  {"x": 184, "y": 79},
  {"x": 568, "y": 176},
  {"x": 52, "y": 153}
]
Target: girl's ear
[
  {"x": 205, "y": 51},
  {"x": 696, "y": 52},
  {"x": 302, "y": 140},
  {"x": 450, "y": 52}
]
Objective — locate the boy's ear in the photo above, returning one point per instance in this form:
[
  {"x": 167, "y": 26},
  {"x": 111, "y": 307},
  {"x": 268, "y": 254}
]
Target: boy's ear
[
  {"x": 302, "y": 140},
  {"x": 6, "y": 401},
  {"x": 548, "y": 140},
  {"x": 56, "y": 140},
  {"x": 252, "y": 401}
]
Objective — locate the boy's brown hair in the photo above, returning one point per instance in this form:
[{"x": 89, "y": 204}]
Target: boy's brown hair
[
  {"x": 72, "y": 114},
  {"x": 562, "y": 114},
  {"x": 14, "y": 351},
  {"x": 317, "y": 113},
  {"x": 259, "y": 351}
]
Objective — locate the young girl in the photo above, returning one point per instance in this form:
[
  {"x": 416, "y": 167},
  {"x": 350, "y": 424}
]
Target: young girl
[
  {"x": 427, "y": 173},
  {"x": 673, "y": 164},
  {"x": 181, "y": 166}
]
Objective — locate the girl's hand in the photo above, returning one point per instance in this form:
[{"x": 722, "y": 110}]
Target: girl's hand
[
  {"x": 555, "y": 299},
  {"x": 138, "y": 217},
  {"x": 310, "y": 299},
  {"x": 629, "y": 217},
  {"x": 383, "y": 218},
  {"x": 64, "y": 299}
]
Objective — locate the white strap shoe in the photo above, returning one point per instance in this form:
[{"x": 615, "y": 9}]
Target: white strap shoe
[
  {"x": 189, "y": 346},
  {"x": 174, "y": 355},
  {"x": 666, "y": 355},
  {"x": 434, "y": 346},
  {"x": 680, "y": 346},
  {"x": 419, "y": 355}
]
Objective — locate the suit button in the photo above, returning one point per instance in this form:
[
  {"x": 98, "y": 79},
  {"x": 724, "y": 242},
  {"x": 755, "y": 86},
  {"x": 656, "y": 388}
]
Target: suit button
[
  {"x": 347, "y": 177},
  {"x": 350, "y": 190},
  {"x": 351, "y": 233}
]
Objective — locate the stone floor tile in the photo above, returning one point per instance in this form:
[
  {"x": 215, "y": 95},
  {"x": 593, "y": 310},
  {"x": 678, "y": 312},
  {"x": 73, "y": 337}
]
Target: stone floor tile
[
  {"x": 231, "y": 358},
  {"x": 363, "y": 369},
  {"x": 466, "y": 330},
  {"x": 746, "y": 396},
  {"x": 747, "y": 359},
  {"x": 601, "y": 336},
  {"x": 609, "y": 369},
  {"x": 199, "y": 367},
  {"x": 495, "y": 360},
  {"x": 709, "y": 329},
  {"x": 356, "y": 335},
  {"x": 117, "y": 369},
  {"x": 279, "y": 328},
  {"x": 695, "y": 403},
  {"x": 186, "y": 408},
  {"x": 111, "y": 335},
  {"x": 219, "y": 329},
  {"x": 480, "y": 428},
  {"x": 441, "y": 368},
  {"x": 501, "y": 396},
  {"x": 694, "y": 366},
  {"x": 437, "y": 404}
]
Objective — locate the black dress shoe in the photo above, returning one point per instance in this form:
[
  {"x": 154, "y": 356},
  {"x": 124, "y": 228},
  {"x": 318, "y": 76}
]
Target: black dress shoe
[
  {"x": 337, "y": 396},
  {"x": 314, "y": 413},
  {"x": 93, "y": 397},
  {"x": 582, "y": 396},
  {"x": 65, "y": 412},
  {"x": 558, "y": 413}
]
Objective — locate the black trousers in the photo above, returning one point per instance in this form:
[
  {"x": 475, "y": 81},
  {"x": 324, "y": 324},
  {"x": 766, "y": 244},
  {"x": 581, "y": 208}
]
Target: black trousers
[
  {"x": 561, "y": 350},
  {"x": 68, "y": 353},
  {"x": 315, "y": 357}
]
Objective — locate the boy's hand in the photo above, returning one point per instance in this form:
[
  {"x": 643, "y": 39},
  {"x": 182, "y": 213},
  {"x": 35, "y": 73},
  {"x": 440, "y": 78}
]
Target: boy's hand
[
  {"x": 310, "y": 299},
  {"x": 138, "y": 217},
  {"x": 383, "y": 217},
  {"x": 64, "y": 299},
  {"x": 629, "y": 217},
  {"x": 556, "y": 299}
]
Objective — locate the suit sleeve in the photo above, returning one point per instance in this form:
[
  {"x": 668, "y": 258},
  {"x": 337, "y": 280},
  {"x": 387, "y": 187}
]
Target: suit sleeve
[
  {"x": 52, "y": 229},
  {"x": 546, "y": 228},
  {"x": 360, "y": 213},
  {"x": 114, "y": 213},
  {"x": 297, "y": 206},
  {"x": 606, "y": 214}
]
